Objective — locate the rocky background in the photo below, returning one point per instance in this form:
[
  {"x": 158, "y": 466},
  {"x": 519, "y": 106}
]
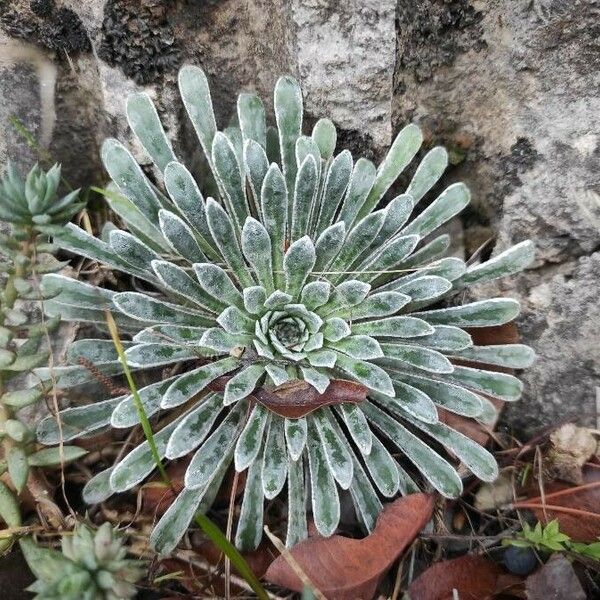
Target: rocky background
[{"x": 510, "y": 87}]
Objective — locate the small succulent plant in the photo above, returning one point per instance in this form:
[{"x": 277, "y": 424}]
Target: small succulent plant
[
  {"x": 298, "y": 276},
  {"x": 92, "y": 566},
  {"x": 25, "y": 255},
  {"x": 34, "y": 201}
]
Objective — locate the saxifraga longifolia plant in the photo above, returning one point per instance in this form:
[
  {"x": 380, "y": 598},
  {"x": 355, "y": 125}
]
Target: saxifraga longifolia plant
[
  {"x": 298, "y": 270},
  {"x": 26, "y": 255},
  {"x": 91, "y": 566}
]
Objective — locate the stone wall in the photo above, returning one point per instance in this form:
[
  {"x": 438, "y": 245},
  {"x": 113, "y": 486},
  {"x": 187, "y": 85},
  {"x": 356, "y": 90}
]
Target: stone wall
[{"x": 511, "y": 87}]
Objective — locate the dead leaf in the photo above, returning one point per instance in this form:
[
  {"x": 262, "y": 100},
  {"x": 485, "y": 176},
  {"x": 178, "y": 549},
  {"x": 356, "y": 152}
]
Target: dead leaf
[
  {"x": 556, "y": 579},
  {"x": 298, "y": 398},
  {"x": 571, "y": 447},
  {"x": 349, "y": 569},
  {"x": 473, "y": 577}
]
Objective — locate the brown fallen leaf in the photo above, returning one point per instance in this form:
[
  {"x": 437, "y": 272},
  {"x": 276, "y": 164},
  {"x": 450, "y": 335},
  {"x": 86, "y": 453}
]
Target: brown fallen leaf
[
  {"x": 556, "y": 579},
  {"x": 571, "y": 447},
  {"x": 349, "y": 569},
  {"x": 298, "y": 398},
  {"x": 577, "y": 507},
  {"x": 473, "y": 577}
]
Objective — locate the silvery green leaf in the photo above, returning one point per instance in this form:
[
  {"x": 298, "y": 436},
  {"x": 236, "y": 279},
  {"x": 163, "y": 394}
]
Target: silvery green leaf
[
  {"x": 483, "y": 313},
  {"x": 48, "y": 457},
  {"x": 215, "y": 452},
  {"x": 288, "y": 114},
  {"x": 510, "y": 261},
  {"x": 256, "y": 246},
  {"x": 195, "y": 94},
  {"x": 359, "y": 346},
  {"x": 130, "y": 249},
  {"x": 194, "y": 427},
  {"x": 98, "y": 489},
  {"x": 97, "y": 352},
  {"x": 413, "y": 401},
  {"x": 242, "y": 384},
  {"x": 322, "y": 358},
  {"x": 405, "y": 327},
  {"x": 325, "y": 499},
  {"x": 130, "y": 179},
  {"x": 346, "y": 294},
  {"x": 73, "y": 238},
  {"x": 277, "y": 374},
  {"x": 249, "y": 443},
  {"x": 428, "y": 173},
  {"x": 434, "y": 468},
  {"x": 335, "y": 329},
  {"x": 327, "y": 246},
  {"x": 274, "y": 205},
  {"x": 514, "y": 356},
  {"x": 305, "y": 147},
  {"x": 177, "y": 280},
  {"x": 448, "y": 204},
  {"x": 256, "y": 165},
  {"x": 156, "y": 355},
  {"x": 250, "y": 523},
  {"x": 454, "y": 398},
  {"x": 233, "y": 320},
  {"x": 359, "y": 239},
  {"x": 336, "y": 183},
  {"x": 295, "y": 436},
  {"x": 272, "y": 150},
  {"x": 230, "y": 178},
  {"x": 254, "y": 299},
  {"x": 145, "y": 308},
  {"x": 193, "y": 382},
  {"x": 143, "y": 120},
  {"x": 482, "y": 464},
  {"x": 318, "y": 380},
  {"x": 368, "y": 374},
  {"x": 297, "y": 265},
  {"x": 77, "y": 293},
  {"x": 296, "y": 522},
  {"x": 357, "y": 425},
  {"x": 173, "y": 524},
  {"x": 126, "y": 413},
  {"x": 382, "y": 263},
  {"x": 361, "y": 182},
  {"x": 383, "y": 469},
  {"x": 405, "y": 146},
  {"x": 222, "y": 342},
  {"x": 184, "y": 192},
  {"x": 315, "y": 294},
  {"x": 234, "y": 135},
  {"x": 336, "y": 454},
  {"x": 366, "y": 502},
  {"x": 429, "y": 252},
  {"x": 305, "y": 192},
  {"x": 397, "y": 213},
  {"x": 217, "y": 283},
  {"x": 277, "y": 299},
  {"x": 325, "y": 136},
  {"x": 423, "y": 288},
  {"x": 69, "y": 377},
  {"x": 139, "y": 463},
  {"x": 251, "y": 115},
  {"x": 180, "y": 236},
  {"x": 223, "y": 232},
  {"x": 376, "y": 305},
  {"x": 499, "y": 385},
  {"x": 445, "y": 338},
  {"x": 76, "y": 422},
  {"x": 314, "y": 342},
  {"x": 275, "y": 460},
  {"x": 417, "y": 356},
  {"x": 489, "y": 412}
]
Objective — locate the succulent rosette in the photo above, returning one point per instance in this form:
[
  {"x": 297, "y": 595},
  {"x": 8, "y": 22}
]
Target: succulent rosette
[{"x": 297, "y": 273}]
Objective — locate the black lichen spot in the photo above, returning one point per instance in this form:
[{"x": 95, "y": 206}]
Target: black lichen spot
[
  {"x": 431, "y": 33},
  {"x": 42, "y": 23},
  {"x": 522, "y": 157},
  {"x": 138, "y": 38}
]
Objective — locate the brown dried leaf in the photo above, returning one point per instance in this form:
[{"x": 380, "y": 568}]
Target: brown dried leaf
[
  {"x": 349, "y": 569},
  {"x": 473, "y": 577},
  {"x": 298, "y": 398},
  {"x": 556, "y": 579}
]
